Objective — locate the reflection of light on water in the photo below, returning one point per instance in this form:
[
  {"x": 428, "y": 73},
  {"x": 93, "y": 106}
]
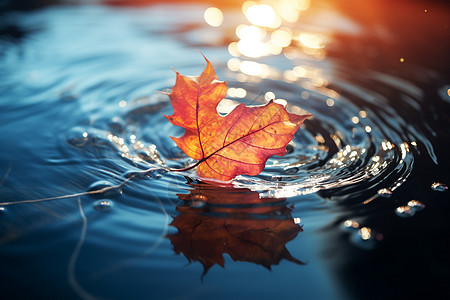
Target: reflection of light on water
[
  {"x": 351, "y": 223},
  {"x": 290, "y": 10},
  {"x": 281, "y": 102},
  {"x": 262, "y": 15},
  {"x": 330, "y": 102},
  {"x": 237, "y": 92},
  {"x": 312, "y": 40},
  {"x": 226, "y": 106},
  {"x": 250, "y": 32},
  {"x": 254, "y": 69},
  {"x": 282, "y": 37},
  {"x": 386, "y": 145},
  {"x": 363, "y": 114},
  {"x": 234, "y": 64},
  {"x": 269, "y": 96},
  {"x": 268, "y": 17},
  {"x": 213, "y": 16},
  {"x": 252, "y": 48}
]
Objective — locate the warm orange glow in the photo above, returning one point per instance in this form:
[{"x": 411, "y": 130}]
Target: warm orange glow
[
  {"x": 312, "y": 40},
  {"x": 254, "y": 69},
  {"x": 363, "y": 114},
  {"x": 262, "y": 15},
  {"x": 282, "y": 37},
  {"x": 252, "y": 49},
  {"x": 365, "y": 233},
  {"x": 224, "y": 146},
  {"x": 213, "y": 16},
  {"x": 233, "y": 64},
  {"x": 245, "y": 32}
]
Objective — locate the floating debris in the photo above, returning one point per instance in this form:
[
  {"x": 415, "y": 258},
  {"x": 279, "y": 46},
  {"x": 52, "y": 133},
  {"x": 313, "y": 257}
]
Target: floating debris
[
  {"x": 439, "y": 187},
  {"x": 416, "y": 205},
  {"x": 405, "y": 211},
  {"x": 366, "y": 238},
  {"x": 385, "y": 192}
]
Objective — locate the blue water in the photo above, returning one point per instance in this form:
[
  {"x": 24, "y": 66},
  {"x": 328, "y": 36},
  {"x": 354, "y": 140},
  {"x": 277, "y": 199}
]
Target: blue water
[{"x": 80, "y": 110}]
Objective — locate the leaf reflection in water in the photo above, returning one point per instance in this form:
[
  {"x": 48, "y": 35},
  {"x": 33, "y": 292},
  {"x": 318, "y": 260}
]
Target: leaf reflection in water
[{"x": 222, "y": 220}]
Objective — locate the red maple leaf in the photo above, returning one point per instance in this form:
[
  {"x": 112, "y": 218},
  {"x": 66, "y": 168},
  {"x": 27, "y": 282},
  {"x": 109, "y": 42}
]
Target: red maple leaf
[{"x": 225, "y": 146}]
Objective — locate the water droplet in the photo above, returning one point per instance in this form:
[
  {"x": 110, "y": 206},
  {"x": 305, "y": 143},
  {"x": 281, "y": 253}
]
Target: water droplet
[
  {"x": 291, "y": 171},
  {"x": 366, "y": 238},
  {"x": 158, "y": 176},
  {"x": 103, "y": 185},
  {"x": 416, "y": 205},
  {"x": 439, "y": 187},
  {"x": 2, "y": 210},
  {"x": 199, "y": 197},
  {"x": 385, "y": 192},
  {"x": 290, "y": 147},
  {"x": 276, "y": 178},
  {"x": 134, "y": 174},
  {"x": 77, "y": 137},
  {"x": 405, "y": 211},
  {"x": 103, "y": 205},
  {"x": 350, "y": 225},
  {"x": 117, "y": 125},
  {"x": 197, "y": 203}
]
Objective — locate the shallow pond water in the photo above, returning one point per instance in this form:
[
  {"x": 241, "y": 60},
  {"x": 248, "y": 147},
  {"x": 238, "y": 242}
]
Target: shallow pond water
[{"x": 357, "y": 209}]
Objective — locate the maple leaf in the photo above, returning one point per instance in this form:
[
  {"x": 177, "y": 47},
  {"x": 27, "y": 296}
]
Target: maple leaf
[{"x": 226, "y": 146}]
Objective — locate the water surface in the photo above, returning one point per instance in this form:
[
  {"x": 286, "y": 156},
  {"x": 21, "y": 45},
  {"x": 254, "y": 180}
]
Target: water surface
[{"x": 356, "y": 209}]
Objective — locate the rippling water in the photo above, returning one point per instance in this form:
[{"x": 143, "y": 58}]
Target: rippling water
[{"x": 356, "y": 209}]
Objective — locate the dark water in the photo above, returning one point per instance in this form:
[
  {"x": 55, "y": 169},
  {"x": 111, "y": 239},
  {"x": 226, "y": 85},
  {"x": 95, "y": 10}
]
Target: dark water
[{"x": 357, "y": 209}]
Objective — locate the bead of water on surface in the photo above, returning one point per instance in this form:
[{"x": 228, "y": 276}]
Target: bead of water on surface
[
  {"x": 276, "y": 178},
  {"x": 135, "y": 174},
  {"x": 77, "y": 137},
  {"x": 197, "y": 203},
  {"x": 385, "y": 192},
  {"x": 117, "y": 125},
  {"x": 2, "y": 210},
  {"x": 405, "y": 211},
  {"x": 103, "y": 205},
  {"x": 291, "y": 170},
  {"x": 350, "y": 225},
  {"x": 439, "y": 187},
  {"x": 366, "y": 238},
  {"x": 103, "y": 184},
  {"x": 416, "y": 205},
  {"x": 143, "y": 154},
  {"x": 290, "y": 147}
]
